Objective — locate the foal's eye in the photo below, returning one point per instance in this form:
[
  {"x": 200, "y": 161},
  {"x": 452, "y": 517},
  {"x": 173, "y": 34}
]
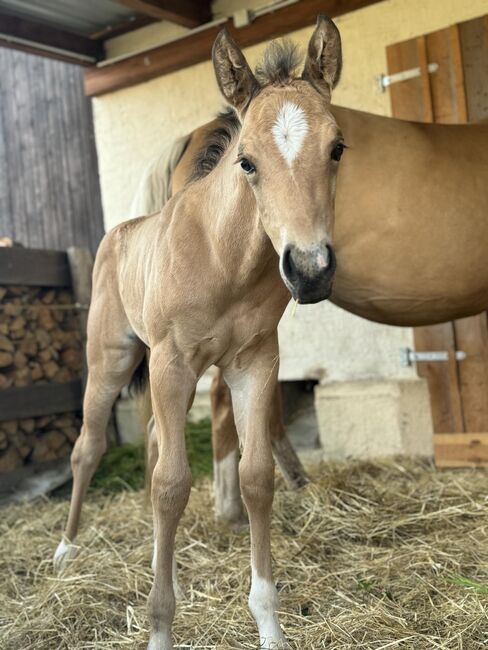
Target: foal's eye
[
  {"x": 247, "y": 166},
  {"x": 337, "y": 151}
]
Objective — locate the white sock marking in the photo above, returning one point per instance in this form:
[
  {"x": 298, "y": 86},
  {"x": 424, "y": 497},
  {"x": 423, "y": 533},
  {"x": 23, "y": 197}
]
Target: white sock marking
[
  {"x": 65, "y": 551},
  {"x": 263, "y": 603},
  {"x": 160, "y": 641},
  {"x": 289, "y": 131}
]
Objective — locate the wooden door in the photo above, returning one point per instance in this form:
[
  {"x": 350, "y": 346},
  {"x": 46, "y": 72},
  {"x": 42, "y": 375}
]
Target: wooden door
[{"x": 454, "y": 92}]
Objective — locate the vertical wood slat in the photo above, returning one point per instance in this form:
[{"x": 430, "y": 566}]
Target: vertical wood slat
[
  {"x": 472, "y": 338},
  {"x": 442, "y": 378},
  {"x": 471, "y": 334},
  {"x": 406, "y": 96},
  {"x": 474, "y": 53},
  {"x": 49, "y": 186},
  {"x": 447, "y": 84},
  {"x": 457, "y": 66},
  {"x": 426, "y": 103}
]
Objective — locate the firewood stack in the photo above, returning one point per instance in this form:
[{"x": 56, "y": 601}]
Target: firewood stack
[{"x": 40, "y": 342}]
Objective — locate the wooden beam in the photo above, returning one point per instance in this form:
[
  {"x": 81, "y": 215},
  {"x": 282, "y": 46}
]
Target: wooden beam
[
  {"x": 189, "y": 13},
  {"x": 197, "y": 47},
  {"x": 32, "y": 267},
  {"x": 461, "y": 449},
  {"x": 27, "y": 35},
  {"x": 40, "y": 399}
]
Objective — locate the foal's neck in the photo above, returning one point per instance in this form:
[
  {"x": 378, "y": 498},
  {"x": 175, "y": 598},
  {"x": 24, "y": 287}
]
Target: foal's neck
[{"x": 237, "y": 238}]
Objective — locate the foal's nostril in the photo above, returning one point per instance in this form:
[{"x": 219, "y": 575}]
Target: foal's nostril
[{"x": 289, "y": 268}]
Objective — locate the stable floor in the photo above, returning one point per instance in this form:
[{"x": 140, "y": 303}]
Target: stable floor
[{"x": 385, "y": 555}]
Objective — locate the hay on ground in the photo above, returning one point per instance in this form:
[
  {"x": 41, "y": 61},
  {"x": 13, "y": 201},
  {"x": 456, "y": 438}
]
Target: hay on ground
[{"x": 370, "y": 555}]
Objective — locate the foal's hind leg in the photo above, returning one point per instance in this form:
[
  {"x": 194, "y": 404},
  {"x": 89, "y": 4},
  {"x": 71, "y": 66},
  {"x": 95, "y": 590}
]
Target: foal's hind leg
[
  {"x": 228, "y": 503},
  {"x": 225, "y": 443},
  {"x": 112, "y": 359}
]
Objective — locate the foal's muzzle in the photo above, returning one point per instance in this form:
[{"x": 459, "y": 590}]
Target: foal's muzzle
[{"x": 308, "y": 274}]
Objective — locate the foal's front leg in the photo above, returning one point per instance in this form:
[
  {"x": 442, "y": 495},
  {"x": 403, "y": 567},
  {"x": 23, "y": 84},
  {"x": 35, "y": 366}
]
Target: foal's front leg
[
  {"x": 252, "y": 379},
  {"x": 172, "y": 385}
]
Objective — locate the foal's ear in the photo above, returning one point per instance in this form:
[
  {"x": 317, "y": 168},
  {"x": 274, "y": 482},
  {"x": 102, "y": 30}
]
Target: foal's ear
[
  {"x": 323, "y": 64},
  {"x": 236, "y": 81}
]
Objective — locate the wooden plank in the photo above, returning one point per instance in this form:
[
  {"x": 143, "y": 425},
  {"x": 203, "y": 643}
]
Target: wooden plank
[
  {"x": 472, "y": 338},
  {"x": 40, "y": 399},
  {"x": 49, "y": 182},
  {"x": 197, "y": 47},
  {"x": 407, "y": 97},
  {"x": 428, "y": 114},
  {"x": 442, "y": 377},
  {"x": 38, "y": 268},
  {"x": 474, "y": 49},
  {"x": 189, "y": 13},
  {"x": 461, "y": 449},
  {"x": 447, "y": 84},
  {"x": 458, "y": 72},
  {"x": 40, "y": 37}
]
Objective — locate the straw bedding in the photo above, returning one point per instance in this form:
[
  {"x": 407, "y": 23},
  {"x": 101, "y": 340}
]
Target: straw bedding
[{"x": 383, "y": 555}]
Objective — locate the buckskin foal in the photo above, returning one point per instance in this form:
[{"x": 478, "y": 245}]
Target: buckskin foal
[{"x": 206, "y": 282}]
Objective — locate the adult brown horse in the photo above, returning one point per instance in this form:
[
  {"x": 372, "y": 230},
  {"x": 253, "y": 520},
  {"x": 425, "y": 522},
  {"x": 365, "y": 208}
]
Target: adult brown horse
[{"x": 411, "y": 236}]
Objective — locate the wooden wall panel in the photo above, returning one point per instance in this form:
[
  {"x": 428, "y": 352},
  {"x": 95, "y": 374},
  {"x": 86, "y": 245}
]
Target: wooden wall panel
[
  {"x": 49, "y": 187},
  {"x": 447, "y": 84},
  {"x": 474, "y": 47},
  {"x": 407, "y": 100}
]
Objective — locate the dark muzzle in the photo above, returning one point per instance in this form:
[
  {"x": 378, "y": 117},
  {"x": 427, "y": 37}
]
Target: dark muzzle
[{"x": 308, "y": 274}]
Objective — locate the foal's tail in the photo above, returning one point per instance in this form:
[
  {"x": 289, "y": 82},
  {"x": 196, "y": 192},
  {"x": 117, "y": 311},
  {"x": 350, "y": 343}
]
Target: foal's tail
[{"x": 153, "y": 192}]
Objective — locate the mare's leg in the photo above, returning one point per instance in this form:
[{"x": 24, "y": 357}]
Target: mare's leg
[
  {"x": 225, "y": 443},
  {"x": 113, "y": 355},
  {"x": 252, "y": 379},
  {"x": 172, "y": 385},
  {"x": 286, "y": 457}
]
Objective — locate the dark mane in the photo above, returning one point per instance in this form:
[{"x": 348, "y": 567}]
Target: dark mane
[
  {"x": 217, "y": 142},
  {"x": 278, "y": 66},
  {"x": 279, "y": 63}
]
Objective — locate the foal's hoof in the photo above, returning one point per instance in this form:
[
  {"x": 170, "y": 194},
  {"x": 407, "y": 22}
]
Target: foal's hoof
[
  {"x": 66, "y": 551},
  {"x": 282, "y": 644}
]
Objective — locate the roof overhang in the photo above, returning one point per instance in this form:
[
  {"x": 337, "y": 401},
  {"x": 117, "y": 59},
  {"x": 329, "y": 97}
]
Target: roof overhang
[{"x": 76, "y": 32}]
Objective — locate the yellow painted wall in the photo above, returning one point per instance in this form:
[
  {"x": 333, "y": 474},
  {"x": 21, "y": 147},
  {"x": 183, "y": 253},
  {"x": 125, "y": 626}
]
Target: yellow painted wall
[{"x": 133, "y": 125}]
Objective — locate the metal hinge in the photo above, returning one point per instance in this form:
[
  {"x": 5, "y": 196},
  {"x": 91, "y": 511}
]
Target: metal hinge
[
  {"x": 408, "y": 356},
  {"x": 385, "y": 80}
]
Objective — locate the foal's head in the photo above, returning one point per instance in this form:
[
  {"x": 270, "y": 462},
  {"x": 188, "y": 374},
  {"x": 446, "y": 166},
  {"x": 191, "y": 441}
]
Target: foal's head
[{"x": 289, "y": 149}]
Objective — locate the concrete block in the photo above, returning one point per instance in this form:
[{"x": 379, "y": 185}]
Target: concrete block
[{"x": 369, "y": 418}]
